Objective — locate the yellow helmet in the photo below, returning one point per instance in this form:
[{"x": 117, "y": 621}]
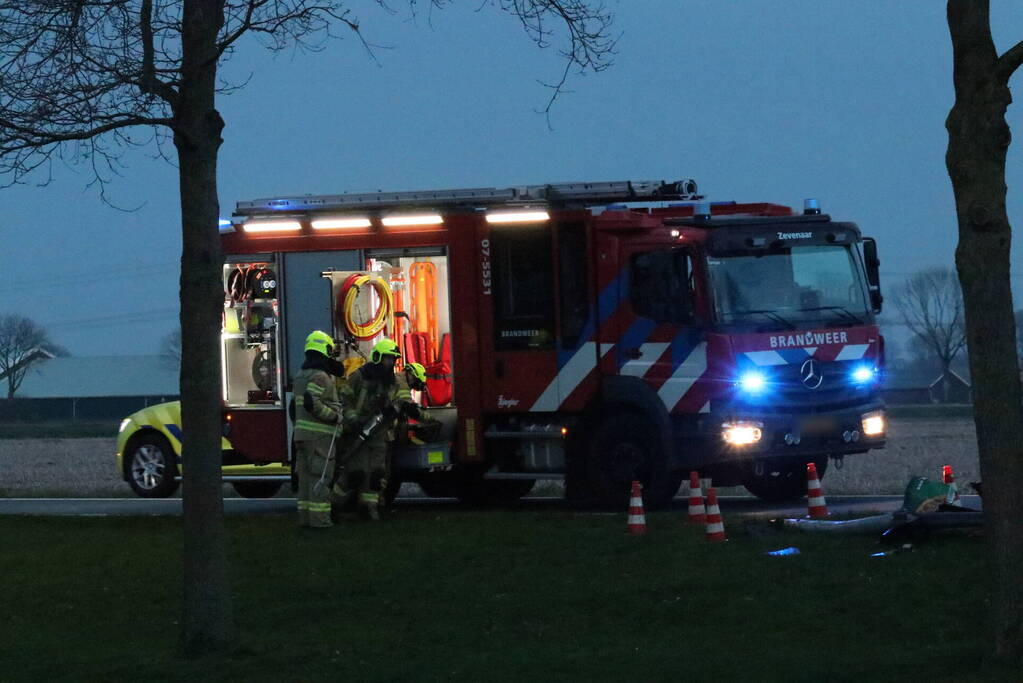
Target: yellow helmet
[
  {"x": 384, "y": 347},
  {"x": 416, "y": 374},
  {"x": 321, "y": 342}
]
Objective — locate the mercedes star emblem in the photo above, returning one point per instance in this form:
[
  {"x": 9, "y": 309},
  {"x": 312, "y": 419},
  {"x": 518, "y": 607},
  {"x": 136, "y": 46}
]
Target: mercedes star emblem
[{"x": 811, "y": 374}]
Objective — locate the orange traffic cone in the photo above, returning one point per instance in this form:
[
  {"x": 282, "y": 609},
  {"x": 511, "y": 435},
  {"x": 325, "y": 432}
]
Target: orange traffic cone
[
  {"x": 815, "y": 503},
  {"x": 715, "y": 527},
  {"x": 637, "y": 520},
  {"x": 697, "y": 511}
]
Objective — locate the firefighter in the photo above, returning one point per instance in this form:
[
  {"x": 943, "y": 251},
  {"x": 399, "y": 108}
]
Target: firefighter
[
  {"x": 415, "y": 376},
  {"x": 372, "y": 400},
  {"x": 317, "y": 427}
]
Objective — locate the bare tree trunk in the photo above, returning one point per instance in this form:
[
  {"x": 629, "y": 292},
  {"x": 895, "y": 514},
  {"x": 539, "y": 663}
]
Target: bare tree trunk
[
  {"x": 207, "y": 621},
  {"x": 946, "y": 379},
  {"x": 978, "y": 140}
]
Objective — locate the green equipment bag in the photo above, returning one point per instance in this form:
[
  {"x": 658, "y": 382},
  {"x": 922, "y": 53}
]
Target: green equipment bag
[{"x": 923, "y": 495}]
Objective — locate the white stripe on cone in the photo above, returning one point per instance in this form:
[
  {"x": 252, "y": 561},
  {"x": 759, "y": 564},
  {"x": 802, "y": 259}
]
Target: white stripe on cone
[
  {"x": 816, "y": 505},
  {"x": 697, "y": 510},
  {"x": 637, "y": 520},
  {"x": 715, "y": 525}
]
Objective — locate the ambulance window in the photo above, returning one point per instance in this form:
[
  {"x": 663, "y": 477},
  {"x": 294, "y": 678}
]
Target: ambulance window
[
  {"x": 572, "y": 277},
  {"x": 659, "y": 286},
  {"x": 523, "y": 287}
]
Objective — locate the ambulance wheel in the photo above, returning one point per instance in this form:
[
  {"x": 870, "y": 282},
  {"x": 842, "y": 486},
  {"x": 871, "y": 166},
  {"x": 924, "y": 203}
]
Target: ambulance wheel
[
  {"x": 781, "y": 480},
  {"x": 623, "y": 449},
  {"x": 257, "y": 489},
  {"x": 151, "y": 465}
]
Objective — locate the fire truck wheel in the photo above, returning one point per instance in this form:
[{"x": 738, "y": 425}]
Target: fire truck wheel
[
  {"x": 622, "y": 449},
  {"x": 780, "y": 481},
  {"x": 257, "y": 489},
  {"x": 151, "y": 465}
]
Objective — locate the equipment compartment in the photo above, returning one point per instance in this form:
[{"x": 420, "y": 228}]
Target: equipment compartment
[
  {"x": 250, "y": 334},
  {"x": 401, "y": 295}
]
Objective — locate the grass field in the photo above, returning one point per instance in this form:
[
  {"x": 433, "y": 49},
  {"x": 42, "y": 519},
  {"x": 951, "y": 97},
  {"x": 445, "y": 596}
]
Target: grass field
[{"x": 502, "y": 596}]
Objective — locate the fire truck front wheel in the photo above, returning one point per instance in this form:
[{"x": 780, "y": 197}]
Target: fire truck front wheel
[
  {"x": 781, "y": 480},
  {"x": 150, "y": 465},
  {"x": 625, "y": 448}
]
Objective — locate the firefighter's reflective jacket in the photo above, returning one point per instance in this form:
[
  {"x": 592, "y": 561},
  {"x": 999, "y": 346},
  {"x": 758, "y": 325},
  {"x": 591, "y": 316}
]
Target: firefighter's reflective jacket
[
  {"x": 366, "y": 394},
  {"x": 316, "y": 405}
]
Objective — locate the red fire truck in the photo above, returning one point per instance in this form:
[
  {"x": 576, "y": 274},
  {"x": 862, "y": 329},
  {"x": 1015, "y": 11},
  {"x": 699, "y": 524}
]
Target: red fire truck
[{"x": 595, "y": 332}]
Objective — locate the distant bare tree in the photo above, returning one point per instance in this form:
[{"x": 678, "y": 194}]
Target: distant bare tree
[
  {"x": 22, "y": 343},
  {"x": 930, "y": 303},
  {"x": 170, "y": 350},
  {"x": 76, "y": 78}
]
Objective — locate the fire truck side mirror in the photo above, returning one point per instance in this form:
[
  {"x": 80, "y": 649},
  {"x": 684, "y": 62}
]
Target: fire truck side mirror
[{"x": 873, "y": 265}]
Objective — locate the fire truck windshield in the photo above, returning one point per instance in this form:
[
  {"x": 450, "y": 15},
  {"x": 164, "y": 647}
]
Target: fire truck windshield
[{"x": 812, "y": 284}]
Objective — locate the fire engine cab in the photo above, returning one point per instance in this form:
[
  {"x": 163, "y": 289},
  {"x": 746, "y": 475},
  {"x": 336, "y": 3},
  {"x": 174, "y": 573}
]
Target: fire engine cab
[{"x": 595, "y": 332}]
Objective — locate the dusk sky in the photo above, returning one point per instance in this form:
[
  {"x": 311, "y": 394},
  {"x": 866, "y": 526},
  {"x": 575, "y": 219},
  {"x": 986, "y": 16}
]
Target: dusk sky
[{"x": 758, "y": 101}]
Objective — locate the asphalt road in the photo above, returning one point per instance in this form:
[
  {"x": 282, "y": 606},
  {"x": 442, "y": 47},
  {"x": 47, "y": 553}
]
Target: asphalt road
[{"x": 746, "y": 506}]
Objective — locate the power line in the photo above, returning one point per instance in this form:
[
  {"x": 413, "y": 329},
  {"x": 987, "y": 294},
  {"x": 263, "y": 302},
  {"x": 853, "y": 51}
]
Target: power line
[
  {"x": 90, "y": 277},
  {"x": 116, "y": 320}
]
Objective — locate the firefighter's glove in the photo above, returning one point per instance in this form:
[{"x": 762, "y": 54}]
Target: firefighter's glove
[
  {"x": 410, "y": 409},
  {"x": 335, "y": 367},
  {"x": 307, "y": 402},
  {"x": 390, "y": 412}
]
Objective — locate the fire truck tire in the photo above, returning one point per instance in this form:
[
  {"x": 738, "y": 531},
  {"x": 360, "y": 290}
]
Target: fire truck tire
[
  {"x": 781, "y": 481},
  {"x": 625, "y": 448},
  {"x": 151, "y": 465},
  {"x": 257, "y": 489}
]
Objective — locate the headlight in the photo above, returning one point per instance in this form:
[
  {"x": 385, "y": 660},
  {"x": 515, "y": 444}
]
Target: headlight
[
  {"x": 863, "y": 374},
  {"x": 741, "y": 433},
  {"x": 873, "y": 424},
  {"x": 752, "y": 382},
  {"x": 124, "y": 424}
]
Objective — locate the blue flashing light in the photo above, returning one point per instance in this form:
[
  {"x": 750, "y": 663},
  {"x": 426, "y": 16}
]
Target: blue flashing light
[
  {"x": 862, "y": 374},
  {"x": 752, "y": 382},
  {"x": 224, "y": 222}
]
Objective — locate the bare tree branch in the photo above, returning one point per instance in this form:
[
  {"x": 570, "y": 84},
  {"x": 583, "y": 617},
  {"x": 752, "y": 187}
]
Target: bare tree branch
[
  {"x": 23, "y": 342},
  {"x": 931, "y": 306},
  {"x": 1010, "y": 61}
]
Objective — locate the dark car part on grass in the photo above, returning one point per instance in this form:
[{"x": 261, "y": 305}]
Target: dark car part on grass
[
  {"x": 925, "y": 526},
  {"x": 893, "y": 551},
  {"x": 871, "y": 524}
]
